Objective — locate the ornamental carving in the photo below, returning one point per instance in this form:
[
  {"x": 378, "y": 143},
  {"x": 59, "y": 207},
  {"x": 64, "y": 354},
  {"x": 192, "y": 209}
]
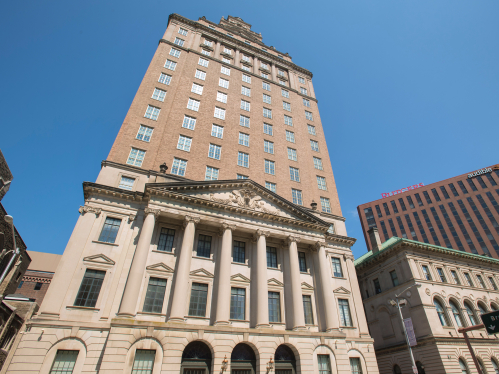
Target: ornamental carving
[
  {"x": 226, "y": 226},
  {"x": 152, "y": 211},
  {"x": 193, "y": 219},
  {"x": 292, "y": 239},
  {"x": 245, "y": 198},
  {"x": 317, "y": 246},
  {"x": 259, "y": 233},
  {"x": 348, "y": 256},
  {"x": 89, "y": 209}
]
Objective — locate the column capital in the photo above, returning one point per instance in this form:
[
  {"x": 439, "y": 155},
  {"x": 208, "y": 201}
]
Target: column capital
[
  {"x": 193, "y": 219},
  {"x": 292, "y": 238},
  {"x": 131, "y": 217},
  {"x": 148, "y": 211},
  {"x": 226, "y": 226},
  {"x": 89, "y": 209},
  {"x": 259, "y": 233},
  {"x": 317, "y": 246},
  {"x": 348, "y": 256}
]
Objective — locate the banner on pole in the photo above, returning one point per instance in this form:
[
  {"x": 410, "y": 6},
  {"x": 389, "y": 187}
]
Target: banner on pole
[{"x": 410, "y": 331}]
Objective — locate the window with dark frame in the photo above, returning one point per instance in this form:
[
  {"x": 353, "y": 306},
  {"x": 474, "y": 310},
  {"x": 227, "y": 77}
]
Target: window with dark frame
[
  {"x": 378, "y": 210},
  {"x": 435, "y": 194},
  {"x": 377, "y": 286},
  {"x": 395, "y": 280},
  {"x": 444, "y": 192},
  {"x": 204, "y": 246},
  {"x": 427, "y": 197},
  {"x": 337, "y": 271},
  {"x": 387, "y": 210},
  {"x": 453, "y": 189},
  {"x": 402, "y": 204},
  {"x": 481, "y": 182},
  {"x": 307, "y": 309},
  {"x": 166, "y": 237},
  {"x": 272, "y": 257},
  {"x": 441, "y": 274},
  {"x": 345, "y": 317},
  {"x": 491, "y": 179},
  {"x": 90, "y": 288},
  {"x": 469, "y": 280},
  {"x": 472, "y": 185},
  {"x": 155, "y": 295},
  {"x": 394, "y": 206},
  {"x": 38, "y": 286},
  {"x": 237, "y": 303},
  {"x": 144, "y": 361},
  {"x": 64, "y": 362},
  {"x": 418, "y": 199},
  {"x": 302, "y": 261},
  {"x": 411, "y": 203},
  {"x": 274, "y": 307},
  {"x": 426, "y": 272},
  {"x": 199, "y": 297},
  {"x": 461, "y": 185},
  {"x": 110, "y": 230},
  {"x": 239, "y": 252}
]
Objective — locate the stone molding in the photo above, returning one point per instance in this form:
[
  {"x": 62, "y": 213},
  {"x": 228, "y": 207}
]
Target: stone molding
[
  {"x": 259, "y": 233},
  {"x": 89, "y": 209},
  {"x": 193, "y": 219},
  {"x": 292, "y": 239},
  {"x": 99, "y": 259},
  {"x": 206, "y": 46},
  {"x": 317, "y": 246},
  {"x": 348, "y": 256},
  {"x": 148, "y": 211},
  {"x": 131, "y": 217},
  {"x": 226, "y": 226}
]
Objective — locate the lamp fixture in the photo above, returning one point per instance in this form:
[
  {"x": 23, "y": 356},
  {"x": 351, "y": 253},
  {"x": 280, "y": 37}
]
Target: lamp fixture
[
  {"x": 270, "y": 365},
  {"x": 224, "y": 364}
]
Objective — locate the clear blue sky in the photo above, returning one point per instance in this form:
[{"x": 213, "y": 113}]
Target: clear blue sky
[{"x": 408, "y": 91}]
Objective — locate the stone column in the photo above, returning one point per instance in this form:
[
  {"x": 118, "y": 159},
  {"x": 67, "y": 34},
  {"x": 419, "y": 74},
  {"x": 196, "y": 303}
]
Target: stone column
[
  {"x": 323, "y": 276},
  {"x": 237, "y": 56},
  {"x": 274, "y": 72},
  {"x": 357, "y": 309},
  {"x": 262, "y": 305},
  {"x": 135, "y": 276},
  {"x": 180, "y": 295},
  {"x": 255, "y": 65},
  {"x": 292, "y": 77},
  {"x": 293, "y": 291},
  {"x": 69, "y": 262},
  {"x": 222, "y": 280},
  {"x": 217, "y": 51}
]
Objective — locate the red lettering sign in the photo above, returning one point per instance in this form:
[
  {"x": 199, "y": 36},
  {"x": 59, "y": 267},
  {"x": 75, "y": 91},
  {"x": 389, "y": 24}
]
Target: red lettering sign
[{"x": 396, "y": 192}]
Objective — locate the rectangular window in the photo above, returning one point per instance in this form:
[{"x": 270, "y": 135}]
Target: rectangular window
[
  {"x": 170, "y": 65},
  {"x": 267, "y": 113},
  {"x": 165, "y": 79},
  {"x": 197, "y": 89},
  {"x": 306, "y": 102},
  {"x": 294, "y": 174},
  {"x": 222, "y": 97},
  {"x": 214, "y": 151},
  {"x": 272, "y": 257},
  {"x": 144, "y": 133},
  {"x": 223, "y": 83},
  {"x": 264, "y": 75},
  {"x": 402, "y": 204},
  {"x": 219, "y": 113},
  {"x": 264, "y": 65},
  {"x": 152, "y": 113},
  {"x": 239, "y": 252},
  {"x": 179, "y": 166},
  {"x": 268, "y": 129},
  {"x": 244, "y": 121},
  {"x": 378, "y": 211},
  {"x": 184, "y": 143},
  {"x": 285, "y": 93},
  {"x": 240, "y": 176},
  {"x": 193, "y": 104},
  {"x": 435, "y": 194},
  {"x": 211, "y": 174},
  {"x": 90, "y": 288},
  {"x": 217, "y": 131},
  {"x": 267, "y": 99},
  {"x": 266, "y": 86},
  {"x": 38, "y": 286},
  {"x": 274, "y": 307},
  {"x": 155, "y": 295},
  {"x": 226, "y": 60},
  {"x": 337, "y": 271},
  {"x": 243, "y": 159},
  {"x": 324, "y": 364},
  {"x": 297, "y": 197},
  {"x": 426, "y": 272},
  {"x": 455, "y": 277},
  {"x": 481, "y": 182},
  {"x": 64, "y": 362},
  {"x": 268, "y": 147},
  {"x": 144, "y": 361},
  {"x": 311, "y": 129},
  {"x": 126, "y": 183},
  {"x": 292, "y": 154},
  {"x": 110, "y": 230},
  {"x": 175, "y": 52},
  {"x": 290, "y": 136},
  {"x": 227, "y": 50},
  {"x": 480, "y": 280},
  {"x": 225, "y": 70},
  {"x": 179, "y": 42},
  {"x": 387, "y": 210},
  {"x": 427, "y": 197},
  {"x": 318, "y": 163},
  {"x": 491, "y": 179},
  {"x": 307, "y": 310},
  {"x": 444, "y": 192},
  {"x": 355, "y": 366},
  {"x": 165, "y": 242},
  {"x": 200, "y": 74},
  {"x": 246, "y": 78},
  {"x": 244, "y": 139},
  {"x": 418, "y": 199},
  {"x": 303, "y": 91},
  {"x": 286, "y": 106},
  {"x": 469, "y": 280},
  {"x": 302, "y": 261},
  {"x": 237, "y": 303},
  {"x": 308, "y": 116},
  {"x": 321, "y": 183},
  {"x": 411, "y": 203},
  {"x": 325, "y": 205},
  {"x": 288, "y": 120},
  {"x": 269, "y": 167},
  {"x": 245, "y": 105},
  {"x": 245, "y": 91},
  {"x": 203, "y": 62},
  {"x": 204, "y": 246},
  {"x": 472, "y": 185},
  {"x": 159, "y": 94},
  {"x": 182, "y": 31},
  {"x": 394, "y": 206},
  {"x": 301, "y": 80},
  {"x": 282, "y": 82},
  {"x": 246, "y": 58},
  {"x": 395, "y": 280},
  {"x": 270, "y": 186},
  {"x": 205, "y": 52},
  {"x": 345, "y": 318},
  {"x": 314, "y": 145},
  {"x": 463, "y": 188},
  {"x": 199, "y": 296},
  {"x": 377, "y": 286},
  {"x": 493, "y": 283}
]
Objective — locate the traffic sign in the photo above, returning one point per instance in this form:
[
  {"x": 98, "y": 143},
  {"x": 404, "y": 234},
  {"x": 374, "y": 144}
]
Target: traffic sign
[{"x": 491, "y": 322}]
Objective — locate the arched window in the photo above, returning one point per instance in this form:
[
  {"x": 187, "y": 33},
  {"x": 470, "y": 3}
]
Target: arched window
[
  {"x": 396, "y": 369},
  {"x": 464, "y": 368},
  {"x": 196, "y": 359},
  {"x": 285, "y": 362},
  {"x": 420, "y": 367},
  {"x": 495, "y": 366},
  {"x": 482, "y": 308},
  {"x": 494, "y": 306},
  {"x": 243, "y": 360},
  {"x": 471, "y": 313},
  {"x": 441, "y": 313},
  {"x": 456, "y": 313},
  {"x": 480, "y": 363}
]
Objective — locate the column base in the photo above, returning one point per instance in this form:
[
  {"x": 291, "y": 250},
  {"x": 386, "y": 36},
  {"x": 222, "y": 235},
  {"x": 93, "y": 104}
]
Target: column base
[
  {"x": 176, "y": 320},
  {"x": 221, "y": 323},
  {"x": 333, "y": 329},
  {"x": 263, "y": 326},
  {"x": 125, "y": 315},
  {"x": 300, "y": 328}
]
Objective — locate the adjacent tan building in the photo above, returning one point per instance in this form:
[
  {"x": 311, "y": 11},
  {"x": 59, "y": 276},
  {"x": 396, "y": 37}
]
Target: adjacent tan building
[
  {"x": 201, "y": 270},
  {"x": 456, "y": 288}
]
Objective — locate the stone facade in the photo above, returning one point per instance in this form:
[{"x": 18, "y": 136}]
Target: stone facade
[
  {"x": 400, "y": 263},
  {"x": 5, "y": 176}
]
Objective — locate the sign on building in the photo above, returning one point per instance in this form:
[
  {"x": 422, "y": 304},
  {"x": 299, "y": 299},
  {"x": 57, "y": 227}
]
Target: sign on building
[
  {"x": 410, "y": 331},
  {"x": 491, "y": 322}
]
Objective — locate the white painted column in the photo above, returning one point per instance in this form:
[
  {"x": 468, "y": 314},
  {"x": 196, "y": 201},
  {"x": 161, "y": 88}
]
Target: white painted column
[
  {"x": 222, "y": 279},
  {"x": 262, "y": 305},
  {"x": 323, "y": 270},
  {"x": 132, "y": 289},
  {"x": 294, "y": 289},
  {"x": 70, "y": 260},
  {"x": 181, "y": 286},
  {"x": 358, "y": 307}
]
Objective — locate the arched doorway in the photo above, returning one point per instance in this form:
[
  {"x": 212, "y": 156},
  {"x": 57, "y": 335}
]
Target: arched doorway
[
  {"x": 242, "y": 360},
  {"x": 196, "y": 359},
  {"x": 285, "y": 362}
]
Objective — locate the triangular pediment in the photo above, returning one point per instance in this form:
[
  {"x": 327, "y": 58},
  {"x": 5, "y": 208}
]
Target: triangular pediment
[
  {"x": 237, "y": 196},
  {"x": 201, "y": 273},
  {"x": 342, "y": 290},
  {"x": 274, "y": 282},
  {"x": 99, "y": 259},
  {"x": 239, "y": 278},
  {"x": 160, "y": 267},
  {"x": 306, "y": 286}
]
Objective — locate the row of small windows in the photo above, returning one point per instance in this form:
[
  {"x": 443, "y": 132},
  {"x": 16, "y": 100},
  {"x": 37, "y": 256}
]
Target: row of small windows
[
  {"x": 457, "y": 280},
  {"x": 470, "y": 312}
]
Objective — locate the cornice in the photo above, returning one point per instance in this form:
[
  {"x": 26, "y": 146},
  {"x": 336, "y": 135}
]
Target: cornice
[
  {"x": 255, "y": 50},
  {"x": 340, "y": 239},
  {"x": 90, "y": 188},
  {"x": 139, "y": 170}
]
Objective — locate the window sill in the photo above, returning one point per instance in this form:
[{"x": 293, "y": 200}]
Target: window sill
[
  {"x": 278, "y": 269},
  {"x": 277, "y": 323},
  {"x": 305, "y": 272},
  {"x": 348, "y": 327},
  {"x": 82, "y": 308},
  {"x": 106, "y": 243},
  {"x": 151, "y": 314},
  {"x": 239, "y": 320},
  {"x": 196, "y": 317},
  {"x": 163, "y": 252},
  {"x": 203, "y": 258},
  {"x": 240, "y": 263}
]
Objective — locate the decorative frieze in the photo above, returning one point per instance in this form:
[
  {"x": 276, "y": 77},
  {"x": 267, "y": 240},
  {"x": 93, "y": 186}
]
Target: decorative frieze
[{"x": 152, "y": 211}]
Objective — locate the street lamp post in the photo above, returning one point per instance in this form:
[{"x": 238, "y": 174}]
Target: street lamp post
[{"x": 399, "y": 307}]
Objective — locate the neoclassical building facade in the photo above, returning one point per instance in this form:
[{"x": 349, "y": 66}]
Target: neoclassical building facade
[{"x": 456, "y": 287}]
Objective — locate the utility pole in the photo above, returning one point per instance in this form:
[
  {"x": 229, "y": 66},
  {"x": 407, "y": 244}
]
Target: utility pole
[{"x": 463, "y": 331}]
